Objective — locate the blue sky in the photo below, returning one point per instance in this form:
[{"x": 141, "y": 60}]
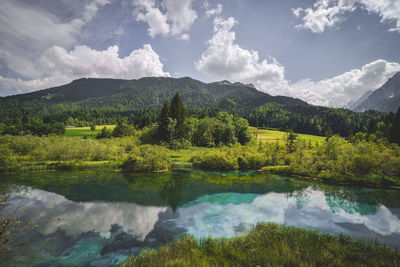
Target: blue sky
[{"x": 327, "y": 52}]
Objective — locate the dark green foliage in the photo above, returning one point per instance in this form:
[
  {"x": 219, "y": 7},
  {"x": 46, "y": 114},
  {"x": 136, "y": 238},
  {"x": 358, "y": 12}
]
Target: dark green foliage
[
  {"x": 177, "y": 112},
  {"x": 7, "y": 158},
  {"x": 106, "y": 101},
  {"x": 269, "y": 244},
  {"x": 147, "y": 158},
  {"x": 92, "y": 127},
  {"x": 163, "y": 132},
  {"x": 314, "y": 119},
  {"x": 395, "y": 130},
  {"x": 290, "y": 139},
  {"x": 224, "y": 129},
  {"x": 105, "y": 133},
  {"x": 123, "y": 129},
  {"x": 241, "y": 127}
]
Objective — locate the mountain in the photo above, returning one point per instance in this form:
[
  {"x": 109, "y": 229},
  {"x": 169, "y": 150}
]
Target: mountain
[
  {"x": 150, "y": 92},
  {"x": 386, "y": 98},
  {"x": 353, "y": 104}
]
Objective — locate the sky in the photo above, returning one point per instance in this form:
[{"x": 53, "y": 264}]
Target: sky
[{"x": 326, "y": 52}]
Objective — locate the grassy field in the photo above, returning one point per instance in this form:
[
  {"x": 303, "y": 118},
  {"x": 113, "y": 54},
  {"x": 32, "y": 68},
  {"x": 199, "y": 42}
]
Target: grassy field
[
  {"x": 265, "y": 136},
  {"x": 272, "y": 136},
  {"x": 269, "y": 244},
  {"x": 85, "y": 131}
]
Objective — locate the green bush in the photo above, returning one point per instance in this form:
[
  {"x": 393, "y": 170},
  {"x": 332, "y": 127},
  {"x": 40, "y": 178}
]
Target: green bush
[
  {"x": 148, "y": 158},
  {"x": 180, "y": 144},
  {"x": 7, "y": 158},
  {"x": 215, "y": 160},
  {"x": 76, "y": 149},
  {"x": 251, "y": 161},
  {"x": 231, "y": 158}
]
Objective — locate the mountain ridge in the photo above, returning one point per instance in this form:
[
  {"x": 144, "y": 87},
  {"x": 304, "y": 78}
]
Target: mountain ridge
[
  {"x": 151, "y": 92},
  {"x": 386, "y": 98}
]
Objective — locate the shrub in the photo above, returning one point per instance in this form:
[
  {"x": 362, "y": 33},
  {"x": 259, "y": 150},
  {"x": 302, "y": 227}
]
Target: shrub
[
  {"x": 215, "y": 160},
  {"x": 180, "y": 144},
  {"x": 76, "y": 149},
  {"x": 147, "y": 158},
  {"x": 7, "y": 158},
  {"x": 251, "y": 161}
]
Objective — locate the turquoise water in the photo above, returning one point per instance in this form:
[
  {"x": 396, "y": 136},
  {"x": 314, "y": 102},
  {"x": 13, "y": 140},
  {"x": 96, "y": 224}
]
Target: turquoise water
[{"x": 99, "y": 218}]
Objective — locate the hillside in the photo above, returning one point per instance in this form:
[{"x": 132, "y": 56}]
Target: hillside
[
  {"x": 150, "y": 92},
  {"x": 386, "y": 98}
]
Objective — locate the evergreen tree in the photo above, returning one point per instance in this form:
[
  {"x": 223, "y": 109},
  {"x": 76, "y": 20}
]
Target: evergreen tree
[
  {"x": 163, "y": 123},
  {"x": 290, "y": 140},
  {"x": 394, "y": 136},
  {"x": 328, "y": 134},
  {"x": 178, "y": 113},
  {"x": 371, "y": 129}
]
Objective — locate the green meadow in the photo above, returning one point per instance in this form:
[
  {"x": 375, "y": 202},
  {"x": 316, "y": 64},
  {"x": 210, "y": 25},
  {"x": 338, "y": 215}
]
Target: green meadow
[
  {"x": 85, "y": 131},
  {"x": 273, "y": 136}
]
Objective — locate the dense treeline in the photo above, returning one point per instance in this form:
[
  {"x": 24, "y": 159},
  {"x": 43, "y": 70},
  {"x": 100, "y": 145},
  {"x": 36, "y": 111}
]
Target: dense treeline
[
  {"x": 177, "y": 130},
  {"x": 35, "y": 117},
  {"x": 319, "y": 120}
]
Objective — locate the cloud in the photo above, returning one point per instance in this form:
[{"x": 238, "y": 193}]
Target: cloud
[
  {"x": 60, "y": 66},
  {"x": 215, "y": 11},
  {"x": 184, "y": 37},
  {"x": 180, "y": 14},
  {"x": 224, "y": 59},
  {"x": 177, "y": 18},
  {"x": 76, "y": 218},
  {"x": 327, "y": 14},
  {"x": 147, "y": 11},
  {"x": 341, "y": 89},
  {"x": 26, "y": 32}
]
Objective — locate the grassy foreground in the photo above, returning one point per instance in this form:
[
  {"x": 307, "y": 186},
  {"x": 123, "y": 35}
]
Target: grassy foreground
[{"x": 269, "y": 244}]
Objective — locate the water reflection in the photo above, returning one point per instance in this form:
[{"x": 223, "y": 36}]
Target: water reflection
[
  {"x": 223, "y": 214},
  {"x": 106, "y": 216},
  {"x": 75, "y": 218}
]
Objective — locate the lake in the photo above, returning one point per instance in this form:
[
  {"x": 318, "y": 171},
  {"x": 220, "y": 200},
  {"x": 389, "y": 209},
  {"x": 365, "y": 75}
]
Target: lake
[{"x": 99, "y": 218}]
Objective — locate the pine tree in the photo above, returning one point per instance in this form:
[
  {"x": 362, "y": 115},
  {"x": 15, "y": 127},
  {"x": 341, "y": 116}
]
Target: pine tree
[
  {"x": 177, "y": 112},
  {"x": 291, "y": 137},
  {"x": 163, "y": 123},
  {"x": 394, "y": 136}
]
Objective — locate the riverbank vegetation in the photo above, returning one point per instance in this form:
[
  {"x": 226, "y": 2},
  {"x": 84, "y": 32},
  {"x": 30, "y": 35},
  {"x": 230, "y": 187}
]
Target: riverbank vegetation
[
  {"x": 269, "y": 244},
  {"x": 227, "y": 143},
  {"x": 335, "y": 160}
]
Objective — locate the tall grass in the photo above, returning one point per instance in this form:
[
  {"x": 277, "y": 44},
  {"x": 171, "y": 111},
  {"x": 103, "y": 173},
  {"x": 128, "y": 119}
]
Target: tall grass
[{"x": 269, "y": 244}]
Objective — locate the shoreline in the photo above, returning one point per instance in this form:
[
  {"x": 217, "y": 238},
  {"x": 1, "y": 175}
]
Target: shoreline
[{"x": 115, "y": 166}]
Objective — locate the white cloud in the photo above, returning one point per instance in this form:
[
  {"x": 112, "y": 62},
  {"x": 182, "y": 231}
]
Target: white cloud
[
  {"x": 60, "y": 66},
  {"x": 26, "y": 31},
  {"x": 147, "y": 11},
  {"x": 177, "y": 18},
  {"x": 184, "y": 37},
  {"x": 329, "y": 13},
  {"x": 224, "y": 59},
  {"x": 351, "y": 85},
  {"x": 181, "y": 15},
  {"x": 76, "y": 218},
  {"x": 215, "y": 11}
]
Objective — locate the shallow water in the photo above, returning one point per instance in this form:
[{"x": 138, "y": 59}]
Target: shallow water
[{"x": 98, "y": 218}]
